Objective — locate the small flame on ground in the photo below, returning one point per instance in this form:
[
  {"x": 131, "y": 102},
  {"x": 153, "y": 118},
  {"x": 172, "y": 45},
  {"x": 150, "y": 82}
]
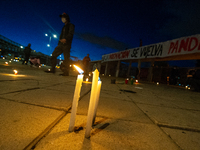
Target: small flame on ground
[
  {"x": 136, "y": 81},
  {"x": 15, "y": 72}
]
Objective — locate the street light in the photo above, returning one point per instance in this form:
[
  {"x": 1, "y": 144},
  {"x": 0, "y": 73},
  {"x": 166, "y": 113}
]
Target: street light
[
  {"x": 49, "y": 45},
  {"x": 54, "y": 36}
]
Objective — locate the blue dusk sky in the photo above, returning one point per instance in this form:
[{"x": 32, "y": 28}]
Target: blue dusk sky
[{"x": 101, "y": 26}]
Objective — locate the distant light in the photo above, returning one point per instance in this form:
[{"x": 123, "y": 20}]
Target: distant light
[
  {"x": 86, "y": 79},
  {"x": 55, "y": 36},
  {"x": 157, "y": 83},
  {"x": 70, "y": 65},
  {"x": 60, "y": 58},
  {"x": 48, "y": 45},
  {"x": 3, "y": 57},
  {"x": 89, "y": 74},
  {"x": 6, "y": 63},
  {"x": 46, "y": 34},
  {"x": 49, "y": 69},
  {"x": 188, "y": 88},
  {"x": 102, "y": 74},
  {"x": 60, "y": 55},
  {"x": 109, "y": 75},
  {"x": 33, "y": 50},
  {"x": 21, "y": 46},
  {"x": 50, "y": 54},
  {"x": 39, "y": 66},
  {"x": 10, "y": 61},
  {"x": 127, "y": 79}
]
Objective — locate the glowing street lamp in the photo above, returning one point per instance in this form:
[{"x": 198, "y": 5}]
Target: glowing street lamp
[{"x": 55, "y": 36}]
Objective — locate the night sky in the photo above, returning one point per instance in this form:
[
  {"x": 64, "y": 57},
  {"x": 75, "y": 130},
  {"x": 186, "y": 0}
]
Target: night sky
[{"x": 101, "y": 26}]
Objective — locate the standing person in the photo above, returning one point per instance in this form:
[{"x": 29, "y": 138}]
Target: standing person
[
  {"x": 27, "y": 53},
  {"x": 86, "y": 61},
  {"x": 64, "y": 45}
]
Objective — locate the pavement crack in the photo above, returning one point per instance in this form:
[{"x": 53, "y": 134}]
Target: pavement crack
[
  {"x": 178, "y": 127},
  {"x": 29, "y": 89},
  {"x": 33, "y": 144}
]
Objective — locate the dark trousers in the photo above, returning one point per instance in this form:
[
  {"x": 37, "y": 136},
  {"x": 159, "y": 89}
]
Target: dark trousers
[
  {"x": 65, "y": 49},
  {"x": 26, "y": 59}
]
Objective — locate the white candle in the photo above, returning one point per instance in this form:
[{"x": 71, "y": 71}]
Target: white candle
[
  {"x": 75, "y": 102},
  {"x": 97, "y": 100},
  {"x": 92, "y": 103}
]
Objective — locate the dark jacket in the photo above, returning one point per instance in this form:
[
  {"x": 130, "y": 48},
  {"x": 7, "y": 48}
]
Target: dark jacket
[
  {"x": 27, "y": 50},
  {"x": 67, "y": 33}
]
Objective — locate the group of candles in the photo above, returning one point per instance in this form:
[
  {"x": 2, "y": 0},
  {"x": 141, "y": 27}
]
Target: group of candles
[
  {"x": 94, "y": 99},
  {"x": 15, "y": 71},
  {"x": 126, "y": 81}
]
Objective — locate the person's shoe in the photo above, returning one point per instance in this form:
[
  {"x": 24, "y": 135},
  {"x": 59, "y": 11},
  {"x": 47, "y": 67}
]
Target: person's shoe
[{"x": 51, "y": 71}]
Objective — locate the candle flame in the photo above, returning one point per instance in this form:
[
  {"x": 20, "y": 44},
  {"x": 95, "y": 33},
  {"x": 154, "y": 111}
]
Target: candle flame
[
  {"x": 136, "y": 81},
  {"x": 15, "y": 72},
  {"x": 86, "y": 79},
  {"x": 78, "y": 69}
]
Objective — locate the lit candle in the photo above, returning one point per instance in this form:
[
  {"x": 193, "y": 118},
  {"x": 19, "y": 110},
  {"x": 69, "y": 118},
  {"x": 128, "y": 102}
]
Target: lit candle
[
  {"x": 15, "y": 72},
  {"x": 6, "y": 63},
  {"x": 136, "y": 81},
  {"x": 97, "y": 99},
  {"x": 92, "y": 103},
  {"x": 126, "y": 81},
  {"x": 86, "y": 80},
  {"x": 75, "y": 99}
]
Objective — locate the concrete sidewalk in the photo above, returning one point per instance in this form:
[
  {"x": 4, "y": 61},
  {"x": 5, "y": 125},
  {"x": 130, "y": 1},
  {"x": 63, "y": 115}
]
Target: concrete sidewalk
[{"x": 35, "y": 114}]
